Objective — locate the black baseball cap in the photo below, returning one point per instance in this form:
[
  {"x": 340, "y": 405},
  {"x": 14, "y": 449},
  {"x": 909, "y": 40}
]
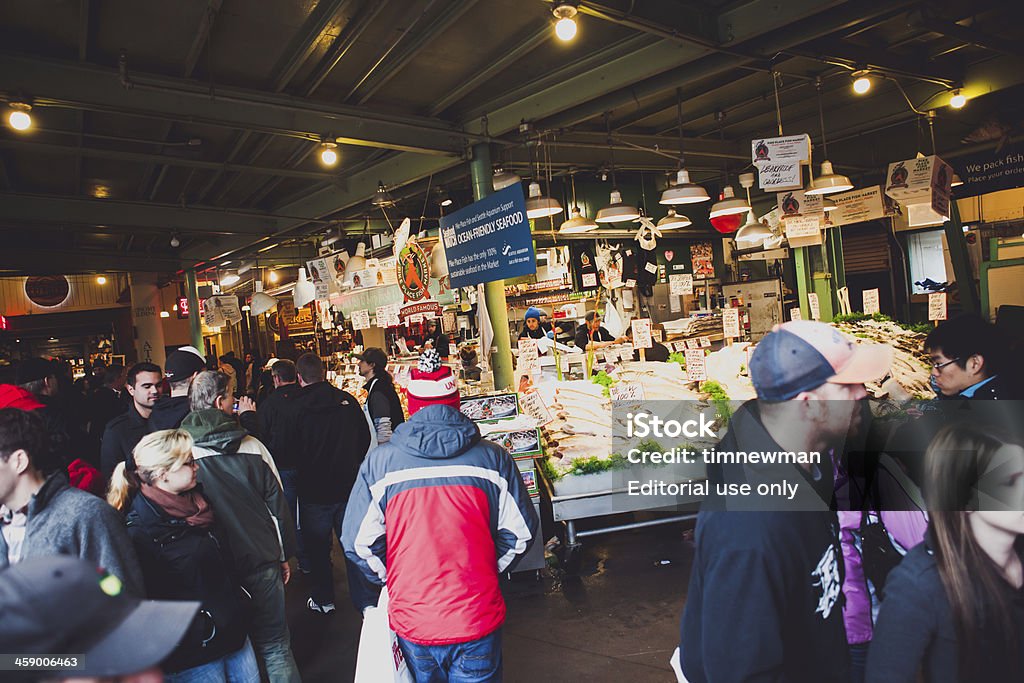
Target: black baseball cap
[
  {"x": 374, "y": 356},
  {"x": 183, "y": 363},
  {"x": 60, "y": 604}
]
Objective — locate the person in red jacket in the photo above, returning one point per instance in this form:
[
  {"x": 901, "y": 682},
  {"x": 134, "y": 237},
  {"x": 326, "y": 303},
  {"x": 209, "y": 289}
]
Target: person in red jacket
[{"x": 438, "y": 513}]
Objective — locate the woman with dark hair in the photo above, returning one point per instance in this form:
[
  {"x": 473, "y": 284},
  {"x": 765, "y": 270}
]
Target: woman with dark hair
[
  {"x": 954, "y": 608},
  {"x": 383, "y": 405}
]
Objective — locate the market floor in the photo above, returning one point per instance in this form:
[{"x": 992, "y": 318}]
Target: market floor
[{"x": 617, "y": 621}]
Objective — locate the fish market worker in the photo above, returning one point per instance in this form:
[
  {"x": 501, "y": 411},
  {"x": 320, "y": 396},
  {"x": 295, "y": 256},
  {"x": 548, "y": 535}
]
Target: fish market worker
[
  {"x": 593, "y": 335},
  {"x": 532, "y": 328}
]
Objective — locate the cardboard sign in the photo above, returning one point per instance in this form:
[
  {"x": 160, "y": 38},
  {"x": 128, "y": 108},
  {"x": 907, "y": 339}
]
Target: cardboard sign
[
  {"x": 814, "y": 305},
  {"x": 528, "y": 352},
  {"x": 870, "y": 301},
  {"x": 798, "y": 203},
  {"x": 360, "y": 319},
  {"x": 642, "y": 333},
  {"x": 857, "y": 206},
  {"x": 780, "y": 160},
  {"x": 922, "y": 185},
  {"x": 626, "y": 391},
  {"x": 803, "y": 226},
  {"x": 696, "y": 371},
  {"x": 680, "y": 285},
  {"x": 937, "y": 306},
  {"x": 705, "y": 342},
  {"x": 449, "y": 322},
  {"x": 795, "y": 314},
  {"x": 731, "y": 322},
  {"x": 533, "y": 405}
]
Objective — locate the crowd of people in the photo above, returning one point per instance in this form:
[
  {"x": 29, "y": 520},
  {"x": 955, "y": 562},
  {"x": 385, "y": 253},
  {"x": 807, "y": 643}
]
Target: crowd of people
[
  {"x": 901, "y": 559},
  {"x": 201, "y": 503}
]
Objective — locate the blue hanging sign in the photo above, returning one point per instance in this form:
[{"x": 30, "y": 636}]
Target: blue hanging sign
[{"x": 489, "y": 240}]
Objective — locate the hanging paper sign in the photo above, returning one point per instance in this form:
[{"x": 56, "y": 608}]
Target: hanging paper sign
[
  {"x": 702, "y": 259},
  {"x": 680, "y": 284},
  {"x": 413, "y": 272},
  {"x": 937, "y": 306},
  {"x": 641, "y": 333},
  {"x": 794, "y": 314},
  {"x": 626, "y": 391},
  {"x": 489, "y": 240},
  {"x": 387, "y": 316},
  {"x": 731, "y": 322},
  {"x": 797, "y": 203},
  {"x": 212, "y": 317},
  {"x": 781, "y": 175},
  {"x": 857, "y": 206},
  {"x": 674, "y": 304},
  {"x": 870, "y": 301},
  {"x": 803, "y": 226},
  {"x": 705, "y": 342},
  {"x": 922, "y": 185},
  {"x": 696, "y": 371},
  {"x": 814, "y": 305},
  {"x": 414, "y": 319},
  {"x": 360, "y": 319},
  {"x": 222, "y": 308},
  {"x": 405, "y": 312},
  {"x": 589, "y": 280},
  {"x": 528, "y": 352},
  {"x": 779, "y": 161},
  {"x": 448, "y": 322},
  {"x": 320, "y": 274},
  {"x": 533, "y": 405}
]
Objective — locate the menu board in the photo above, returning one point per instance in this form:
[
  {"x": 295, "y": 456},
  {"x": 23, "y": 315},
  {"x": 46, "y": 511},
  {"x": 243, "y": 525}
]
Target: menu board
[
  {"x": 360, "y": 319},
  {"x": 937, "y": 306},
  {"x": 642, "y": 333},
  {"x": 696, "y": 371},
  {"x": 814, "y": 305},
  {"x": 870, "y": 301},
  {"x": 731, "y": 322}
]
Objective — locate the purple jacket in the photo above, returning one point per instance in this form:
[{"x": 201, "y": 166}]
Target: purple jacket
[{"x": 906, "y": 522}]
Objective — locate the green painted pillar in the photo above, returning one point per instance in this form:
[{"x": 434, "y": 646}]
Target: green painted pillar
[
  {"x": 195, "y": 324},
  {"x": 801, "y": 259},
  {"x": 960, "y": 260},
  {"x": 494, "y": 292}
]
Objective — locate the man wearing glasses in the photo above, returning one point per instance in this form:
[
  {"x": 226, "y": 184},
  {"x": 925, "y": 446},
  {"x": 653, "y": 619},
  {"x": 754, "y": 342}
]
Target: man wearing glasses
[{"x": 967, "y": 356}]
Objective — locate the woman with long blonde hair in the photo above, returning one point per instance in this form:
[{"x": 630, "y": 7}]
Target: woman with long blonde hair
[
  {"x": 172, "y": 528},
  {"x": 954, "y": 607}
]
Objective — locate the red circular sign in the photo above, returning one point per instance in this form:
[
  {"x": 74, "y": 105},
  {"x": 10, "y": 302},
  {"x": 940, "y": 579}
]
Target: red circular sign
[{"x": 47, "y": 291}]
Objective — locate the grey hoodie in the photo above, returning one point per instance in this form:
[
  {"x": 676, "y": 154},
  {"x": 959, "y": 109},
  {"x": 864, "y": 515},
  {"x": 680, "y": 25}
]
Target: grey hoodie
[
  {"x": 242, "y": 488},
  {"x": 67, "y": 521}
]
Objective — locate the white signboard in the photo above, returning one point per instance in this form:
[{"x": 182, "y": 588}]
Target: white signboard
[
  {"x": 795, "y": 314},
  {"x": 808, "y": 225},
  {"x": 361, "y": 319},
  {"x": 528, "y": 352},
  {"x": 642, "y": 333},
  {"x": 814, "y": 305},
  {"x": 674, "y": 304},
  {"x": 870, "y": 301},
  {"x": 533, "y": 405},
  {"x": 224, "y": 308},
  {"x": 320, "y": 273},
  {"x": 779, "y": 161},
  {"x": 387, "y": 316},
  {"x": 797, "y": 203},
  {"x": 857, "y": 206},
  {"x": 705, "y": 342},
  {"x": 923, "y": 180},
  {"x": 731, "y": 322},
  {"x": 937, "y": 306},
  {"x": 695, "y": 368},
  {"x": 680, "y": 285}
]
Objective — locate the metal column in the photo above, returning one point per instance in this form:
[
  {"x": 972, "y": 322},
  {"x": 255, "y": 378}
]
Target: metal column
[
  {"x": 494, "y": 292},
  {"x": 194, "y": 323},
  {"x": 960, "y": 260}
]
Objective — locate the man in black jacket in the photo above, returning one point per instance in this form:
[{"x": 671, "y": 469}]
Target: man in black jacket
[
  {"x": 330, "y": 437},
  {"x": 181, "y": 366},
  {"x": 774, "y": 564},
  {"x": 108, "y": 400},
  {"x": 382, "y": 402},
  {"x": 437, "y": 339},
  {"x": 125, "y": 431}
]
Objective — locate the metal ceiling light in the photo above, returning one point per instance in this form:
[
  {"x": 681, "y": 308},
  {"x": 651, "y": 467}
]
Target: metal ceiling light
[
  {"x": 18, "y": 117},
  {"x": 674, "y": 221},
  {"x": 175, "y": 242},
  {"x": 577, "y": 222},
  {"x": 503, "y": 179},
  {"x": 305, "y": 291},
  {"x": 229, "y": 279},
  {"x": 539, "y": 206},
  {"x": 956, "y": 181},
  {"x": 753, "y": 231},
  {"x": 446, "y": 198},
  {"x": 828, "y": 181},
  {"x": 261, "y": 302},
  {"x": 328, "y": 152},
  {"x": 728, "y": 204},
  {"x": 617, "y": 211},
  {"x": 565, "y": 27},
  {"x": 382, "y": 198},
  {"x": 358, "y": 260},
  {"x": 682, "y": 191},
  {"x": 828, "y": 205}
]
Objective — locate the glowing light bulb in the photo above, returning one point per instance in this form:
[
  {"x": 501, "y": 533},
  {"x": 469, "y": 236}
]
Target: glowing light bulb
[
  {"x": 958, "y": 100},
  {"x": 862, "y": 85},
  {"x": 19, "y": 118},
  {"x": 328, "y": 157},
  {"x": 101, "y": 280},
  {"x": 565, "y": 29},
  {"x": 272, "y": 276}
]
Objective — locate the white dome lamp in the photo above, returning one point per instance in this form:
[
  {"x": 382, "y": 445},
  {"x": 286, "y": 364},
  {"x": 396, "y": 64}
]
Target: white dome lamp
[
  {"x": 356, "y": 262},
  {"x": 261, "y": 301},
  {"x": 674, "y": 221},
  {"x": 729, "y": 204},
  {"x": 577, "y": 222},
  {"x": 539, "y": 205},
  {"x": 828, "y": 181},
  {"x": 753, "y": 231},
  {"x": 305, "y": 290},
  {"x": 681, "y": 190},
  {"x": 617, "y": 211},
  {"x": 438, "y": 260},
  {"x": 503, "y": 179}
]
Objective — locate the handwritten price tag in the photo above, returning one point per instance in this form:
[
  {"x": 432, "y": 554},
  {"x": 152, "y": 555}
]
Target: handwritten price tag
[
  {"x": 870, "y": 301},
  {"x": 696, "y": 371},
  {"x": 361, "y": 319},
  {"x": 937, "y": 306},
  {"x": 731, "y": 322},
  {"x": 795, "y": 314},
  {"x": 815, "y": 306},
  {"x": 642, "y": 333}
]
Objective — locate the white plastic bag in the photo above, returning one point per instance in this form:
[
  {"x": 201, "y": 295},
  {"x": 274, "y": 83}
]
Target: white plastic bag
[
  {"x": 677, "y": 666},
  {"x": 380, "y": 658},
  {"x": 369, "y": 419}
]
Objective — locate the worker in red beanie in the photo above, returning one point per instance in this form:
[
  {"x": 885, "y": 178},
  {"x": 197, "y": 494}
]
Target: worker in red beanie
[{"x": 431, "y": 383}]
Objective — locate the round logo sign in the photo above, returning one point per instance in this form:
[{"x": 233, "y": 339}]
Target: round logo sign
[
  {"x": 47, "y": 291},
  {"x": 413, "y": 272}
]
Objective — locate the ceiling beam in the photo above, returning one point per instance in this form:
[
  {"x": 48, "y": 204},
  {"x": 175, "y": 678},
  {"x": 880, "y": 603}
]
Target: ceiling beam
[
  {"x": 768, "y": 42},
  {"x": 972, "y": 36},
  {"x": 69, "y": 262},
  {"x": 161, "y": 97},
  {"x": 101, "y": 212},
  {"x": 304, "y": 42},
  {"x": 345, "y": 41},
  {"x": 166, "y": 159},
  {"x": 451, "y": 11},
  {"x": 853, "y": 57},
  {"x": 202, "y": 36}
]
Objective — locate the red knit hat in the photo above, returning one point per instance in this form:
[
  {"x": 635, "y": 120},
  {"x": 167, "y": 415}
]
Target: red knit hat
[
  {"x": 431, "y": 383},
  {"x": 16, "y": 397}
]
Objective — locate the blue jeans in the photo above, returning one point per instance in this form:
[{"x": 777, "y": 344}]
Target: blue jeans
[
  {"x": 858, "y": 661},
  {"x": 478, "y": 661},
  {"x": 290, "y": 484},
  {"x": 269, "y": 625},
  {"x": 237, "y": 667},
  {"x": 320, "y": 524}
]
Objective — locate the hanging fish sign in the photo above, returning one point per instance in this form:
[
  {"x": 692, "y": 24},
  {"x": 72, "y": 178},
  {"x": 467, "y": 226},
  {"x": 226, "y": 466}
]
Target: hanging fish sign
[{"x": 413, "y": 270}]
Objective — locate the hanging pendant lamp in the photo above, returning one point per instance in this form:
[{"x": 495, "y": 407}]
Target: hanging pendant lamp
[
  {"x": 674, "y": 221},
  {"x": 828, "y": 181},
  {"x": 682, "y": 191},
  {"x": 503, "y": 179},
  {"x": 617, "y": 211},
  {"x": 305, "y": 290},
  {"x": 540, "y": 206},
  {"x": 261, "y": 301},
  {"x": 577, "y": 222},
  {"x": 728, "y": 204},
  {"x": 753, "y": 231}
]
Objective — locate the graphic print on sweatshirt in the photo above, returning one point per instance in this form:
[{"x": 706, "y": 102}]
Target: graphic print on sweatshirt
[{"x": 826, "y": 576}]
